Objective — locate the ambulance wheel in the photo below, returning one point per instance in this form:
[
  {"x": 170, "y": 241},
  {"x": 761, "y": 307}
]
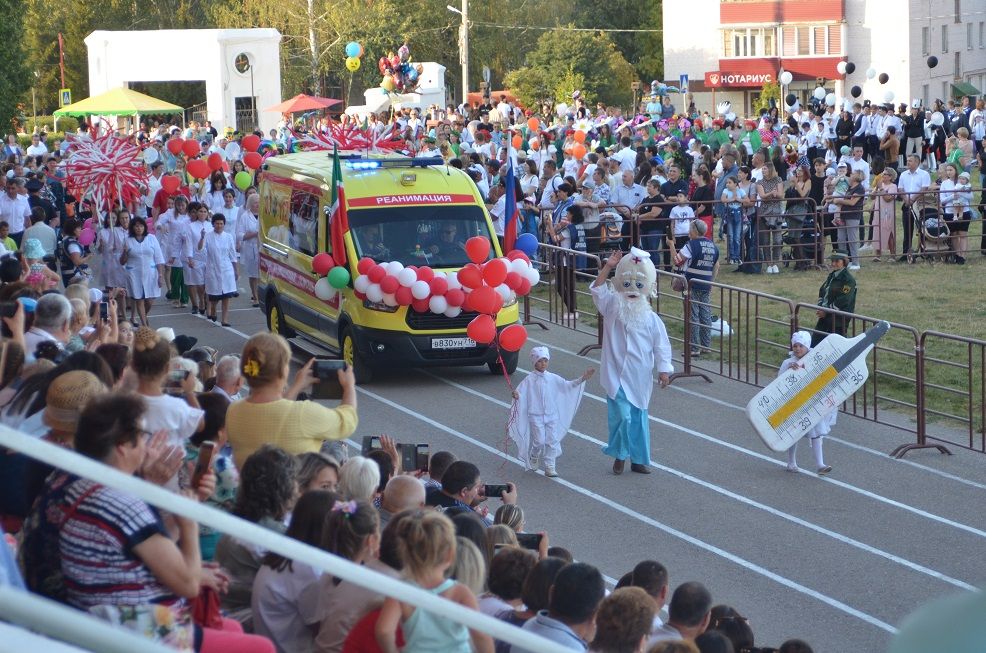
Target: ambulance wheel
[
  {"x": 362, "y": 371},
  {"x": 509, "y": 361},
  {"x": 276, "y": 323}
]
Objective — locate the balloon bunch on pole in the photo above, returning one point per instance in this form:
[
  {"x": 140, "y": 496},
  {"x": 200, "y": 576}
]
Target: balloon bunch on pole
[
  {"x": 108, "y": 168},
  {"x": 354, "y": 56},
  {"x": 399, "y": 76},
  {"x": 202, "y": 168},
  {"x": 332, "y": 277}
]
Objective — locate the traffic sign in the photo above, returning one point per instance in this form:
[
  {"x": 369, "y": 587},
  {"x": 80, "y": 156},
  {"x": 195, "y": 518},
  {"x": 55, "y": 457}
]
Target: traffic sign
[
  {"x": 64, "y": 97},
  {"x": 683, "y": 82}
]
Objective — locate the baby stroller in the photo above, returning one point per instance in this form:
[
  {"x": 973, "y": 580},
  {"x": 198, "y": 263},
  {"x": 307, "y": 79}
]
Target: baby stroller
[{"x": 934, "y": 236}]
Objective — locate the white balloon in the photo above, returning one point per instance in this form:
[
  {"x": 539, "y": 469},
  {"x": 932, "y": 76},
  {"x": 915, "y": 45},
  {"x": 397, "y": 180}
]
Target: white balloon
[
  {"x": 503, "y": 290},
  {"x": 453, "y": 311},
  {"x": 406, "y": 277},
  {"x": 394, "y": 267},
  {"x": 438, "y": 304},
  {"x": 561, "y": 109},
  {"x": 888, "y": 96},
  {"x": 786, "y": 78},
  {"x": 362, "y": 283},
  {"x": 389, "y": 299},
  {"x": 519, "y": 266},
  {"x": 374, "y": 293},
  {"x": 830, "y": 99},
  {"x": 150, "y": 155},
  {"x": 420, "y": 289},
  {"x": 819, "y": 93},
  {"x": 453, "y": 282},
  {"x": 533, "y": 276},
  {"x": 870, "y": 73},
  {"x": 841, "y": 67},
  {"x": 324, "y": 290},
  {"x": 937, "y": 119},
  {"x": 233, "y": 151}
]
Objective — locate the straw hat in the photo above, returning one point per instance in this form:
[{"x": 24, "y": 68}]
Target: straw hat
[{"x": 67, "y": 395}]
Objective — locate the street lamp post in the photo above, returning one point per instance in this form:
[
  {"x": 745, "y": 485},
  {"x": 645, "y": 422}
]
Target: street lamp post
[{"x": 463, "y": 46}]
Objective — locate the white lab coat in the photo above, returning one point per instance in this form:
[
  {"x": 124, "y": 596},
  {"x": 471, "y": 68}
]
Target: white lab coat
[
  {"x": 110, "y": 243},
  {"x": 249, "y": 249},
  {"x": 629, "y": 357},
  {"x": 220, "y": 273},
  {"x": 177, "y": 235},
  {"x": 544, "y": 411},
  {"x": 141, "y": 268},
  {"x": 193, "y": 231}
]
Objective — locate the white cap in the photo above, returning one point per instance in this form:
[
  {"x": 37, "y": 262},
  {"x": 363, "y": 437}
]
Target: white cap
[
  {"x": 167, "y": 333},
  {"x": 802, "y": 338},
  {"x": 537, "y": 353},
  {"x": 95, "y": 295}
]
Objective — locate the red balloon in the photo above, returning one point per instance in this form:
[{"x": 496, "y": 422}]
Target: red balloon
[
  {"x": 425, "y": 273},
  {"x": 478, "y": 249},
  {"x": 215, "y": 162},
  {"x": 404, "y": 296},
  {"x": 482, "y": 329},
  {"x": 250, "y": 142},
  {"x": 524, "y": 287},
  {"x": 515, "y": 254},
  {"x": 198, "y": 169},
  {"x": 364, "y": 265},
  {"x": 175, "y": 145},
  {"x": 191, "y": 148},
  {"x": 494, "y": 272},
  {"x": 513, "y": 337},
  {"x": 439, "y": 286},
  {"x": 390, "y": 284},
  {"x": 483, "y": 300},
  {"x": 420, "y": 305},
  {"x": 170, "y": 184},
  {"x": 455, "y": 297},
  {"x": 253, "y": 160},
  {"x": 470, "y": 276},
  {"x": 322, "y": 263},
  {"x": 512, "y": 280},
  {"x": 377, "y": 273}
]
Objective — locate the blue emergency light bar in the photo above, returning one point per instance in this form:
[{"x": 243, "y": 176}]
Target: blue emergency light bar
[{"x": 357, "y": 163}]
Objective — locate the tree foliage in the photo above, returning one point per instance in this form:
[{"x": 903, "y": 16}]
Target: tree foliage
[{"x": 13, "y": 81}]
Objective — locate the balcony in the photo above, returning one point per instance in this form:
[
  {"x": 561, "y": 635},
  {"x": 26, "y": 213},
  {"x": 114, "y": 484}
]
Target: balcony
[{"x": 776, "y": 12}]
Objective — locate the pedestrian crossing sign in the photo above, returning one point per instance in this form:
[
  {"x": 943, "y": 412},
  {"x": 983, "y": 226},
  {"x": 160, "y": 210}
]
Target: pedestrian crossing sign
[{"x": 64, "y": 97}]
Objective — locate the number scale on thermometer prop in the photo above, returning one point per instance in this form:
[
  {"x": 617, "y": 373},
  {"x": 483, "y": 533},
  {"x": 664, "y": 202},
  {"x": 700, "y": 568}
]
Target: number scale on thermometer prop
[{"x": 794, "y": 402}]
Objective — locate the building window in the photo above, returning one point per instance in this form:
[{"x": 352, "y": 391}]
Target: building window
[
  {"x": 944, "y": 92},
  {"x": 753, "y": 42},
  {"x": 810, "y": 40},
  {"x": 944, "y": 39},
  {"x": 924, "y": 95},
  {"x": 924, "y": 40},
  {"x": 958, "y": 10},
  {"x": 958, "y": 65},
  {"x": 803, "y": 41},
  {"x": 968, "y": 36},
  {"x": 982, "y": 34}
]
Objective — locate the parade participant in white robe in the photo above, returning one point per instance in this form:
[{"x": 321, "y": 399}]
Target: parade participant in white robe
[
  {"x": 800, "y": 346},
  {"x": 248, "y": 244},
  {"x": 220, "y": 266},
  {"x": 635, "y": 342},
  {"x": 143, "y": 262},
  {"x": 545, "y": 406},
  {"x": 230, "y": 211},
  {"x": 109, "y": 245},
  {"x": 177, "y": 235},
  {"x": 195, "y": 258}
]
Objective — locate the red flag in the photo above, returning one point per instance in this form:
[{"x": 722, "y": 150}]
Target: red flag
[{"x": 338, "y": 220}]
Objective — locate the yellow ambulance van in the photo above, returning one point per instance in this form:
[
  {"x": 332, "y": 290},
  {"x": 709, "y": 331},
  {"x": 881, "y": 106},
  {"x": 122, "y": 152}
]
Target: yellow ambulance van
[{"x": 416, "y": 211}]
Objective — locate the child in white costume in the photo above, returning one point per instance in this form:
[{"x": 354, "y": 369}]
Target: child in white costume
[
  {"x": 546, "y": 405},
  {"x": 800, "y": 346}
]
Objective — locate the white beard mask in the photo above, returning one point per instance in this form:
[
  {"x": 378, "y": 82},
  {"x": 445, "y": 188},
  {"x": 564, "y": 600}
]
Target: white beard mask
[{"x": 635, "y": 283}]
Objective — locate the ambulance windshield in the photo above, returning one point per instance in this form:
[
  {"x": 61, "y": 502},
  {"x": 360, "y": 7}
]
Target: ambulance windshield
[{"x": 417, "y": 235}]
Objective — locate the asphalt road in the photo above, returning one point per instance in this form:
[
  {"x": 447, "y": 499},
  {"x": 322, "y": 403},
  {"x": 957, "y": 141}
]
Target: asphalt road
[{"x": 838, "y": 561}]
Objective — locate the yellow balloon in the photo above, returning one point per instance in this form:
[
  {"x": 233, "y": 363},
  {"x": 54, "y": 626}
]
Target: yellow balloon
[
  {"x": 388, "y": 83},
  {"x": 352, "y": 64}
]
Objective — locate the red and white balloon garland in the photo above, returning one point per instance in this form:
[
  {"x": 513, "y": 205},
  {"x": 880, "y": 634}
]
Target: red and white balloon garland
[{"x": 482, "y": 286}]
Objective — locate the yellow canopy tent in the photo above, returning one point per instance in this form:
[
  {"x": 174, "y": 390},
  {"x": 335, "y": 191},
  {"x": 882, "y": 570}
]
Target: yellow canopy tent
[{"x": 119, "y": 102}]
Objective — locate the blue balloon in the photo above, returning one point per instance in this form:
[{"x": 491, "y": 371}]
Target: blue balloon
[
  {"x": 412, "y": 75},
  {"x": 527, "y": 243},
  {"x": 352, "y": 49}
]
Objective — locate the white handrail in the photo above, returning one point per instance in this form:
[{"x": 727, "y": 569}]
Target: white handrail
[
  {"x": 70, "y": 626},
  {"x": 222, "y": 522}
]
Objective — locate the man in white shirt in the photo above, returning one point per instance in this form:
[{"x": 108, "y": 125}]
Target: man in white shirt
[
  {"x": 858, "y": 163},
  {"x": 52, "y": 316},
  {"x": 15, "y": 209},
  {"x": 911, "y": 183},
  {"x": 627, "y": 195},
  {"x": 627, "y": 156},
  {"x": 42, "y": 232},
  {"x": 36, "y": 148},
  {"x": 153, "y": 185},
  {"x": 550, "y": 181},
  {"x": 689, "y": 614}
]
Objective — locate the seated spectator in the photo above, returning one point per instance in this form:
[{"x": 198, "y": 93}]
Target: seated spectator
[
  {"x": 688, "y": 614},
  {"x": 352, "y": 532},
  {"x": 359, "y": 479},
  {"x": 267, "y": 493},
  {"x": 571, "y": 614},
  {"x": 535, "y": 596},
  {"x": 281, "y": 607},
  {"x": 623, "y": 622},
  {"x": 469, "y": 567},
  {"x": 117, "y": 356},
  {"x": 214, "y": 407},
  {"x": 229, "y": 381},
  {"x": 561, "y": 552},
  {"x": 439, "y": 462},
  {"x": 470, "y": 526},
  {"x": 52, "y": 321},
  {"x": 794, "y": 646},
  {"x": 726, "y": 620},
  {"x": 673, "y": 646},
  {"x": 427, "y": 548},
  {"x": 463, "y": 488},
  {"x": 652, "y": 577},
  {"x": 386, "y": 465},
  {"x": 316, "y": 471},
  {"x": 271, "y": 415},
  {"x": 498, "y": 536},
  {"x": 508, "y": 570},
  {"x": 712, "y": 641},
  {"x": 511, "y": 515},
  {"x": 402, "y": 493},
  {"x": 115, "y": 552}
]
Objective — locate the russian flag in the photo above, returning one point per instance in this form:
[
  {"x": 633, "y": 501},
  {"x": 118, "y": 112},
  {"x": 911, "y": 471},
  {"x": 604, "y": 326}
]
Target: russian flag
[{"x": 511, "y": 213}]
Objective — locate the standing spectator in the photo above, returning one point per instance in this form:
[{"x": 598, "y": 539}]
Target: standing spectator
[
  {"x": 41, "y": 231},
  {"x": 912, "y": 183},
  {"x": 248, "y": 244},
  {"x": 37, "y": 148},
  {"x": 700, "y": 260},
  {"x": 702, "y": 197},
  {"x": 688, "y": 614},
  {"x": 34, "y": 198},
  {"x": 568, "y": 233},
  {"x": 914, "y": 131},
  {"x": 770, "y": 214},
  {"x": 850, "y": 218},
  {"x": 884, "y": 200},
  {"x": 15, "y": 209},
  {"x": 12, "y": 148},
  {"x": 890, "y": 148},
  {"x": 653, "y": 222}
]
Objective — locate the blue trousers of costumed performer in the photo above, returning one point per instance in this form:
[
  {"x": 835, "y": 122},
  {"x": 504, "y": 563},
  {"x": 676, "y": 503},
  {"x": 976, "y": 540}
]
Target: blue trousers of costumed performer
[{"x": 629, "y": 430}]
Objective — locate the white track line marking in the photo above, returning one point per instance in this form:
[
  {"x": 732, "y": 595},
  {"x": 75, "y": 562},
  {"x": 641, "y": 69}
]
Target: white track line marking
[
  {"x": 694, "y": 541},
  {"x": 756, "y": 504}
]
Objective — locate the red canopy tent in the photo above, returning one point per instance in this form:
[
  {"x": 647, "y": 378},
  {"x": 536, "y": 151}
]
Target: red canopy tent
[
  {"x": 494, "y": 97},
  {"x": 302, "y": 102}
]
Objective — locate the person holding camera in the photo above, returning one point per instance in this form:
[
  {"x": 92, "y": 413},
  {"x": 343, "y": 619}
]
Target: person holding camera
[
  {"x": 270, "y": 415},
  {"x": 463, "y": 488}
]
